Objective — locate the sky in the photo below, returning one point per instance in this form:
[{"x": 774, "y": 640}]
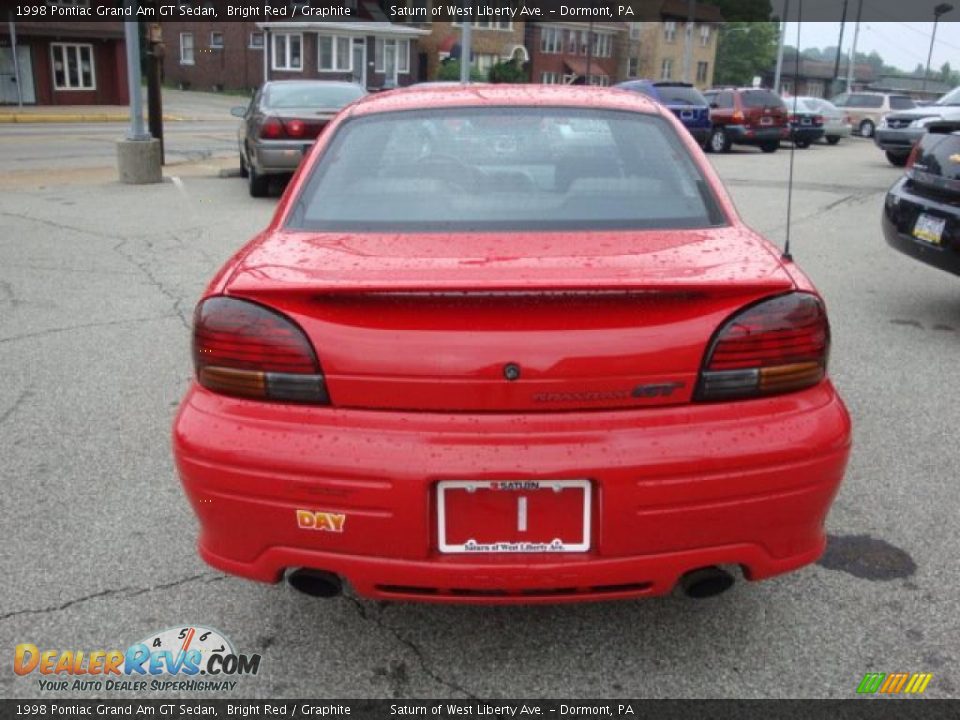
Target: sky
[{"x": 903, "y": 44}]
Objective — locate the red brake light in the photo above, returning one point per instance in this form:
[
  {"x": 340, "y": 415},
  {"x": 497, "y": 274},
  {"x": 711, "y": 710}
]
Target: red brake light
[
  {"x": 295, "y": 128},
  {"x": 793, "y": 118},
  {"x": 738, "y": 116},
  {"x": 778, "y": 345},
  {"x": 912, "y": 157},
  {"x": 241, "y": 348},
  {"x": 272, "y": 129}
]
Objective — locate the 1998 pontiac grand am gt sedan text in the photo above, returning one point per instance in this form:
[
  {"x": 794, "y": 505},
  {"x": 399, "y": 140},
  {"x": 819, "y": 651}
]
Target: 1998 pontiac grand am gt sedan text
[{"x": 509, "y": 344}]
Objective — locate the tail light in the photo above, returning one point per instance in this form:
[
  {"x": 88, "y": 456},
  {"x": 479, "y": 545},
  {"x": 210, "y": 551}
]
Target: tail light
[
  {"x": 272, "y": 129},
  {"x": 776, "y": 346},
  {"x": 912, "y": 157},
  {"x": 792, "y": 118},
  {"x": 738, "y": 116},
  {"x": 818, "y": 119},
  {"x": 295, "y": 128},
  {"x": 241, "y": 348}
]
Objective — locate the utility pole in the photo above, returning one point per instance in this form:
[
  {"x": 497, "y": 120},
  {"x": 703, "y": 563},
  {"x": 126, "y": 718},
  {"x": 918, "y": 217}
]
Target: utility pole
[
  {"x": 836, "y": 64},
  {"x": 853, "y": 50},
  {"x": 688, "y": 41},
  {"x": 941, "y": 9},
  {"x": 586, "y": 80},
  {"x": 154, "y": 98},
  {"x": 138, "y": 154},
  {"x": 466, "y": 51},
  {"x": 783, "y": 35}
]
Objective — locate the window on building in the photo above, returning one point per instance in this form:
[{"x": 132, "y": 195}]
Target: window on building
[
  {"x": 287, "y": 51},
  {"x": 73, "y": 66},
  {"x": 670, "y": 31},
  {"x": 786, "y": 87},
  {"x": 572, "y": 41},
  {"x": 635, "y": 31},
  {"x": 490, "y": 24},
  {"x": 602, "y": 45},
  {"x": 601, "y": 80},
  {"x": 704, "y": 35},
  {"x": 633, "y": 67},
  {"x": 815, "y": 88},
  {"x": 702, "y": 69},
  {"x": 256, "y": 41},
  {"x": 186, "y": 49},
  {"x": 551, "y": 78},
  {"x": 334, "y": 53},
  {"x": 666, "y": 69},
  {"x": 216, "y": 40},
  {"x": 484, "y": 61},
  {"x": 584, "y": 41},
  {"x": 551, "y": 40},
  {"x": 400, "y": 47}
]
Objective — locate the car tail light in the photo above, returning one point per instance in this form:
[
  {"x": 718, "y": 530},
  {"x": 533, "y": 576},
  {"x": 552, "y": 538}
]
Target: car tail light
[
  {"x": 776, "y": 346},
  {"x": 912, "y": 157},
  {"x": 241, "y": 348},
  {"x": 272, "y": 129},
  {"x": 818, "y": 119},
  {"x": 295, "y": 128},
  {"x": 738, "y": 116},
  {"x": 792, "y": 118}
]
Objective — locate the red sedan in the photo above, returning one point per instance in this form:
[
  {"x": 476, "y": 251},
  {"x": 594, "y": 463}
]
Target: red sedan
[{"x": 509, "y": 344}]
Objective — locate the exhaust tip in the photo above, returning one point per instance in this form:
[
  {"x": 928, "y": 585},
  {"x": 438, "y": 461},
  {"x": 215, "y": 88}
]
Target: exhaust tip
[
  {"x": 316, "y": 583},
  {"x": 706, "y": 582}
]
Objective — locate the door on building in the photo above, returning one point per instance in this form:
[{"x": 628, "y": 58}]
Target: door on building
[
  {"x": 360, "y": 61},
  {"x": 389, "y": 64},
  {"x": 8, "y": 76}
]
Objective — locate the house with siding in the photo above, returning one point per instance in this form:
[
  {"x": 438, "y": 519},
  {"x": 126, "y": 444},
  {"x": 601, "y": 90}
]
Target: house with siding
[{"x": 63, "y": 63}]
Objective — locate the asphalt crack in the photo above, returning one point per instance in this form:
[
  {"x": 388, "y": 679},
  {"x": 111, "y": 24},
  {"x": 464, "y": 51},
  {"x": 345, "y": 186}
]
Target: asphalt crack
[
  {"x": 154, "y": 281},
  {"x": 377, "y": 620},
  {"x": 123, "y": 593},
  {"x": 16, "y": 406},
  {"x": 84, "y": 326}
]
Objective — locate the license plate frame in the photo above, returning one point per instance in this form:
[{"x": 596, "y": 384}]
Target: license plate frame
[
  {"x": 508, "y": 546},
  {"x": 929, "y": 229}
]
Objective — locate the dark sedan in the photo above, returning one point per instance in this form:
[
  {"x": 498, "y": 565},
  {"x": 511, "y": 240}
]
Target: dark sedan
[
  {"x": 921, "y": 215},
  {"x": 281, "y": 122},
  {"x": 806, "y": 126}
]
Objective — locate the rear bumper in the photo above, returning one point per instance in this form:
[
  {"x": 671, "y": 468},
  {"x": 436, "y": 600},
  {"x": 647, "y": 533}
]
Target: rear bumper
[
  {"x": 743, "y": 135},
  {"x": 810, "y": 134},
  {"x": 899, "y": 216},
  {"x": 675, "y": 489},
  {"x": 900, "y": 141},
  {"x": 276, "y": 157}
]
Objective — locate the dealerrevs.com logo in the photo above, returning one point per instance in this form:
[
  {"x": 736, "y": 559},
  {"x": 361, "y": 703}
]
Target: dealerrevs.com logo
[{"x": 186, "y": 658}]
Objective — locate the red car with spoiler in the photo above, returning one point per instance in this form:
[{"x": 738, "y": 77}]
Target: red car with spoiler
[{"x": 509, "y": 344}]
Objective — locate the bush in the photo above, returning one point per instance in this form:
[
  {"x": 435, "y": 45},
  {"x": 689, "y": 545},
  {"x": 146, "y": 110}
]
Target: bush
[
  {"x": 450, "y": 70},
  {"x": 510, "y": 71}
]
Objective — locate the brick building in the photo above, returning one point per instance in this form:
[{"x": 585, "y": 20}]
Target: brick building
[
  {"x": 63, "y": 63},
  {"x": 492, "y": 41},
  {"x": 656, "y": 50},
  {"x": 815, "y": 77},
  {"x": 240, "y": 55},
  {"x": 574, "y": 52}
]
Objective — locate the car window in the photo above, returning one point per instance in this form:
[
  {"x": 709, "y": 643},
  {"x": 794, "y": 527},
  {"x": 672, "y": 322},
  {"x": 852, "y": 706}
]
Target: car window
[
  {"x": 476, "y": 169},
  {"x": 310, "y": 95},
  {"x": 900, "y": 102},
  {"x": 641, "y": 88},
  {"x": 724, "y": 99},
  {"x": 761, "y": 98},
  {"x": 680, "y": 95},
  {"x": 951, "y": 98},
  {"x": 841, "y": 100},
  {"x": 865, "y": 101}
]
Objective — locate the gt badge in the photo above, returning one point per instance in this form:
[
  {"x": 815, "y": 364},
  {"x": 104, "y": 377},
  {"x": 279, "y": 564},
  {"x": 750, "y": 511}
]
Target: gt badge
[{"x": 329, "y": 522}]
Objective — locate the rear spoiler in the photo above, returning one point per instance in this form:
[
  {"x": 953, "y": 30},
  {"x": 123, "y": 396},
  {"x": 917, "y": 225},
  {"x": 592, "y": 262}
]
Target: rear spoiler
[{"x": 943, "y": 127}]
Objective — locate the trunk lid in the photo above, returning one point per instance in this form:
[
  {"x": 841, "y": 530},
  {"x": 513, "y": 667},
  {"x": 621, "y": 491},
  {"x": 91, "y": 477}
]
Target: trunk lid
[
  {"x": 936, "y": 164},
  {"x": 576, "y": 321},
  {"x": 763, "y": 108}
]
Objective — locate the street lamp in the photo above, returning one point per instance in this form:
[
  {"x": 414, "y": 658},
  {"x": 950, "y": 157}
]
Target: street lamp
[{"x": 941, "y": 9}]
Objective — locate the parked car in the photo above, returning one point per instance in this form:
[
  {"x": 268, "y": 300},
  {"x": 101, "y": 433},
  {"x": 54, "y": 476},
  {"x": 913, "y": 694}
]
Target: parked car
[
  {"x": 921, "y": 215},
  {"x": 684, "y": 101},
  {"x": 836, "y": 123},
  {"x": 282, "y": 121},
  {"x": 806, "y": 125},
  {"x": 425, "y": 382},
  {"x": 746, "y": 116},
  {"x": 866, "y": 109},
  {"x": 899, "y": 131}
]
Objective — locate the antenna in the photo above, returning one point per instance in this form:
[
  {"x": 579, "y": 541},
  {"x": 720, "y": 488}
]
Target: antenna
[{"x": 793, "y": 145}]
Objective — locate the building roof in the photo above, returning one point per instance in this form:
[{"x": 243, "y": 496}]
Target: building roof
[
  {"x": 820, "y": 70},
  {"x": 438, "y": 96},
  {"x": 910, "y": 83},
  {"x": 359, "y": 28}
]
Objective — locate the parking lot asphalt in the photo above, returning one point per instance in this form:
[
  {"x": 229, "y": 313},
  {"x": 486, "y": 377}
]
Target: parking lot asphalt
[{"x": 97, "y": 284}]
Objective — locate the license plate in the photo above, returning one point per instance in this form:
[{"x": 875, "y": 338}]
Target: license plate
[
  {"x": 766, "y": 121},
  {"x": 513, "y": 516},
  {"x": 805, "y": 121},
  {"x": 929, "y": 228}
]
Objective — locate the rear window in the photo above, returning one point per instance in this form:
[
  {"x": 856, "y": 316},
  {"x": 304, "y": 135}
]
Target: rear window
[
  {"x": 761, "y": 98},
  {"x": 310, "y": 95},
  {"x": 673, "y": 95},
  {"x": 901, "y": 103},
  {"x": 462, "y": 169}
]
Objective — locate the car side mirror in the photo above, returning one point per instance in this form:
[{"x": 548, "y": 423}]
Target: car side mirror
[{"x": 238, "y": 111}]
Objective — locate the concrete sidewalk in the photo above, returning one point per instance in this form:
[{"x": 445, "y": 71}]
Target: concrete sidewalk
[{"x": 178, "y": 105}]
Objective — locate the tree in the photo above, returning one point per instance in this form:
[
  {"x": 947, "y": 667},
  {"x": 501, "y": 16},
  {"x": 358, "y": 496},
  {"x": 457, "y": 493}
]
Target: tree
[
  {"x": 510, "y": 71},
  {"x": 745, "y": 50}
]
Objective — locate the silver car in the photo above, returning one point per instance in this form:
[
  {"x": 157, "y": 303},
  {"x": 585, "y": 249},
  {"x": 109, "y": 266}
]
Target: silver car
[
  {"x": 900, "y": 131},
  {"x": 836, "y": 123},
  {"x": 281, "y": 123}
]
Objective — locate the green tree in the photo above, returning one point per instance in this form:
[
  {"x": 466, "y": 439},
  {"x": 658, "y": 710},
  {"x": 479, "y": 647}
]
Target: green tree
[
  {"x": 450, "y": 70},
  {"x": 745, "y": 50}
]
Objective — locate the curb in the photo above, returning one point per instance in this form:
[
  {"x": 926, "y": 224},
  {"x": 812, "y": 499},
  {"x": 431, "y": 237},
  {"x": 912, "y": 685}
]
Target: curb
[{"x": 31, "y": 118}]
